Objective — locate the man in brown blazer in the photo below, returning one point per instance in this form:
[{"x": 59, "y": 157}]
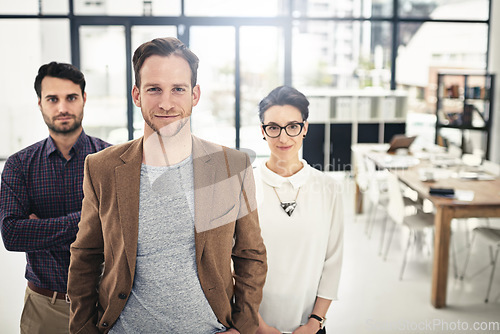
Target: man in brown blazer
[{"x": 169, "y": 239}]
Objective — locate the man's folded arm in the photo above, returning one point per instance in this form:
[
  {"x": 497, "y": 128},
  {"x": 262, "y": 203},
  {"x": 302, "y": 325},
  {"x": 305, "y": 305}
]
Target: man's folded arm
[{"x": 19, "y": 232}]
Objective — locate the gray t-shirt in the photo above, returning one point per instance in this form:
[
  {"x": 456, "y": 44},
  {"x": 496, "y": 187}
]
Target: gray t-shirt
[{"x": 166, "y": 295}]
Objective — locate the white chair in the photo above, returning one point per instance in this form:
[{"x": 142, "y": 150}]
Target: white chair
[
  {"x": 454, "y": 151},
  {"x": 396, "y": 211},
  {"x": 361, "y": 175},
  {"x": 378, "y": 196},
  {"x": 471, "y": 160},
  {"x": 491, "y": 167},
  {"x": 491, "y": 236},
  {"x": 376, "y": 193}
]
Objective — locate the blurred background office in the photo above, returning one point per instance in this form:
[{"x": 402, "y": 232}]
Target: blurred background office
[
  {"x": 371, "y": 63},
  {"x": 369, "y": 67}
]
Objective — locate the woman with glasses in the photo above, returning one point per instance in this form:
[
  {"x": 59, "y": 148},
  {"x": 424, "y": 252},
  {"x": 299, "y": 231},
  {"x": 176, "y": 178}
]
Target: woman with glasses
[{"x": 301, "y": 217}]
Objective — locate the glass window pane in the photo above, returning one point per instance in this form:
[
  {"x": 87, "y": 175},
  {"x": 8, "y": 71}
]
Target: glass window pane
[
  {"x": 445, "y": 9},
  {"x": 129, "y": 7},
  {"x": 141, "y": 34},
  {"x": 21, "y": 123},
  {"x": 326, "y": 8},
  {"x": 55, "y": 49},
  {"x": 266, "y": 8},
  {"x": 105, "y": 73},
  {"x": 426, "y": 48},
  {"x": 262, "y": 69},
  {"x": 213, "y": 117},
  {"x": 342, "y": 55},
  {"x": 26, "y": 7},
  {"x": 54, "y": 7},
  {"x": 33, "y": 7}
]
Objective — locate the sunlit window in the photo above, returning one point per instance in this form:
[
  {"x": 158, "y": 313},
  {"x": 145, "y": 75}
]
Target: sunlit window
[
  {"x": 426, "y": 48},
  {"x": 19, "y": 7},
  {"x": 129, "y": 7},
  {"x": 256, "y": 8},
  {"x": 21, "y": 123},
  {"x": 342, "y": 55},
  {"x": 445, "y": 9},
  {"x": 261, "y": 50},
  {"x": 213, "y": 117},
  {"x": 341, "y": 9},
  {"x": 246, "y": 48},
  {"x": 105, "y": 115}
]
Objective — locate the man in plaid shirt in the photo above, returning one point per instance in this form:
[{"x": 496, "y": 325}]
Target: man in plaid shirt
[{"x": 41, "y": 196}]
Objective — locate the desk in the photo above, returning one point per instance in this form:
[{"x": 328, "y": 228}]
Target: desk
[{"x": 486, "y": 203}]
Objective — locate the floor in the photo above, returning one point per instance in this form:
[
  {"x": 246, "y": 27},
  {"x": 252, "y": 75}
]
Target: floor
[{"x": 372, "y": 299}]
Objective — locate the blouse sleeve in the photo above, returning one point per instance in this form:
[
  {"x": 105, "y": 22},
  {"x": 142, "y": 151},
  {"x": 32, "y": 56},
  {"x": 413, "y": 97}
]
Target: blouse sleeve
[{"x": 328, "y": 285}]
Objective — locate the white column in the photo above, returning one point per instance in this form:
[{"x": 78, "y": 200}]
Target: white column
[{"x": 494, "y": 67}]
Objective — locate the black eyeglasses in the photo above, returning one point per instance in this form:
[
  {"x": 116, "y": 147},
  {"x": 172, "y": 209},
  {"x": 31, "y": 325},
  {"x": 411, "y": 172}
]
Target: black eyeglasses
[{"x": 274, "y": 130}]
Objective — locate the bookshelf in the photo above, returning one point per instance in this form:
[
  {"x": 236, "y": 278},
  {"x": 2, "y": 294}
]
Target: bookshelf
[
  {"x": 339, "y": 119},
  {"x": 464, "y": 102}
]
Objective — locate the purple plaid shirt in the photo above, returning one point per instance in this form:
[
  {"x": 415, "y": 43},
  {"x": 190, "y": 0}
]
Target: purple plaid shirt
[{"x": 39, "y": 180}]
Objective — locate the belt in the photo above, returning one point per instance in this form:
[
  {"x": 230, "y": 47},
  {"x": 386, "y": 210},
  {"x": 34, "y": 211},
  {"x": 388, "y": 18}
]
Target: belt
[{"x": 48, "y": 293}]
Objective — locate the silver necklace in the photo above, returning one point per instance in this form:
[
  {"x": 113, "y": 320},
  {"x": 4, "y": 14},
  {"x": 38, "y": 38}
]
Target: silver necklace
[{"x": 288, "y": 207}]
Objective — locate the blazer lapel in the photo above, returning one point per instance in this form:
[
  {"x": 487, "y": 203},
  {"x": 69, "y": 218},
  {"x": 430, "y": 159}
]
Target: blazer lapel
[
  {"x": 204, "y": 171},
  {"x": 128, "y": 180}
]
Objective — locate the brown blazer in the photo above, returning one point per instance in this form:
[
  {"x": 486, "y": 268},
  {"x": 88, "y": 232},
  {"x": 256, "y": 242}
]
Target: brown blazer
[{"x": 103, "y": 257}]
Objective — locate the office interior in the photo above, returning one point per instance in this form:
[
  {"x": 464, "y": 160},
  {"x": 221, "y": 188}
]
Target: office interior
[{"x": 370, "y": 69}]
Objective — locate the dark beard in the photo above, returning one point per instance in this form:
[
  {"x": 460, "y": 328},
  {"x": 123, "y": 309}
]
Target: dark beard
[{"x": 69, "y": 130}]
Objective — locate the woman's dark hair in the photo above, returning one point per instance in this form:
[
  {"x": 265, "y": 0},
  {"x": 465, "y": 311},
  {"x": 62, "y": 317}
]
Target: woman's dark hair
[
  {"x": 61, "y": 71},
  {"x": 284, "y": 95},
  {"x": 164, "y": 47}
]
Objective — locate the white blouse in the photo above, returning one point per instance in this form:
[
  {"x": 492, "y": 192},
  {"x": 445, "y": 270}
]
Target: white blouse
[{"x": 304, "y": 250}]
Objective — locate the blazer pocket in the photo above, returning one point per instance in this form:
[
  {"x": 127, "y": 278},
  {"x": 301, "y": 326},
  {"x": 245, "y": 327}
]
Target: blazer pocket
[{"x": 228, "y": 216}]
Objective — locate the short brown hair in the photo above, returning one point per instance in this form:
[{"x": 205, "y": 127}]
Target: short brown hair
[
  {"x": 164, "y": 47},
  {"x": 61, "y": 71},
  {"x": 285, "y": 95}
]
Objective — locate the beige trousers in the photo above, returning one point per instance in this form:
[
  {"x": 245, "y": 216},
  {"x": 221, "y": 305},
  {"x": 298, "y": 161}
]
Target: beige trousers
[{"x": 43, "y": 314}]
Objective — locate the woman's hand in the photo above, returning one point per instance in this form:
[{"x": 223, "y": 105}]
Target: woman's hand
[
  {"x": 232, "y": 331},
  {"x": 312, "y": 327}
]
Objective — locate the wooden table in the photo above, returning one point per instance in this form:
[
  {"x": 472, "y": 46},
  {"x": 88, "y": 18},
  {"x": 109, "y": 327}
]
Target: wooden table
[{"x": 486, "y": 203}]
